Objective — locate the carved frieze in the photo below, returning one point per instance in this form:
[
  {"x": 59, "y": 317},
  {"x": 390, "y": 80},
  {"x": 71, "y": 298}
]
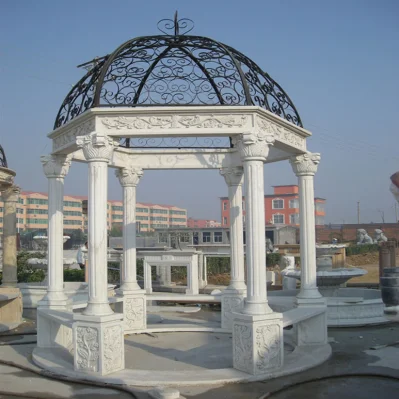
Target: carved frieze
[
  {"x": 87, "y": 348},
  {"x": 113, "y": 347},
  {"x": 69, "y": 137},
  {"x": 134, "y": 313},
  {"x": 268, "y": 348},
  {"x": 243, "y": 347},
  {"x": 210, "y": 121},
  {"x": 280, "y": 133}
]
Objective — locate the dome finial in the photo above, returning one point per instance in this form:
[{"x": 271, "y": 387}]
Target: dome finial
[{"x": 175, "y": 26}]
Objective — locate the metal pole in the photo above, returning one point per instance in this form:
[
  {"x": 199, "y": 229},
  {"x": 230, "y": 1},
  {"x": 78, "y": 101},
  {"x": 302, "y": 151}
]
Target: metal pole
[{"x": 358, "y": 212}]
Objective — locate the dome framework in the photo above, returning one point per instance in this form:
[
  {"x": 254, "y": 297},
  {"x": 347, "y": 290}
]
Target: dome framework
[{"x": 175, "y": 69}]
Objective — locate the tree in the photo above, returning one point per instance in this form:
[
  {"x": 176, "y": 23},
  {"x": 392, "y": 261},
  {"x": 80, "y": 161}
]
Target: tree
[{"x": 116, "y": 230}]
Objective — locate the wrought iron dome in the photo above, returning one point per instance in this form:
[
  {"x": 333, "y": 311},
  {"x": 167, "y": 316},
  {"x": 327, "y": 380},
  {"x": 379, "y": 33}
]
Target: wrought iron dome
[
  {"x": 175, "y": 69},
  {"x": 3, "y": 159}
]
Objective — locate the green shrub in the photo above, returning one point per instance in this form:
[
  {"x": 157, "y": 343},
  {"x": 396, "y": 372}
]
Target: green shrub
[
  {"x": 361, "y": 249},
  {"x": 25, "y": 272},
  {"x": 74, "y": 275},
  {"x": 273, "y": 259}
]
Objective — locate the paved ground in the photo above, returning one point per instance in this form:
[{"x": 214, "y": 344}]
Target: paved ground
[{"x": 365, "y": 373}]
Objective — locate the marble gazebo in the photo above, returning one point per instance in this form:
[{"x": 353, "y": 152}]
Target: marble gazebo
[{"x": 177, "y": 101}]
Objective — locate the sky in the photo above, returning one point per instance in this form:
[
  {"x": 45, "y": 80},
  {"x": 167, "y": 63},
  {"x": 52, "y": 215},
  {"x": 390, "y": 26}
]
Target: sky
[{"x": 337, "y": 60}]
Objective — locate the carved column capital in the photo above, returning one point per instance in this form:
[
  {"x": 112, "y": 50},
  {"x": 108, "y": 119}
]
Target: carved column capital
[
  {"x": 97, "y": 146},
  {"x": 56, "y": 165},
  {"x": 305, "y": 164},
  {"x": 254, "y": 145},
  {"x": 233, "y": 175},
  {"x": 11, "y": 194},
  {"x": 129, "y": 177}
]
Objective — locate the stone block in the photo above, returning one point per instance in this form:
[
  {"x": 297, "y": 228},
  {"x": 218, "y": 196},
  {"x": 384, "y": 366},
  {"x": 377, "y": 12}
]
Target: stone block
[
  {"x": 99, "y": 344},
  {"x": 134, "y": 309},
  {"x": 312, "y": 331},
  {"x": 10, "y": 306},
  {"x": 258, "y": 345},
  {"x": 232, "y": 301}
]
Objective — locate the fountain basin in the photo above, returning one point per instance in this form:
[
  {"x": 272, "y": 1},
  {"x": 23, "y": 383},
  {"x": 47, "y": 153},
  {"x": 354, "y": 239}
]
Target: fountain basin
[
  {"x": 352, "y": 307},
  {"x": 329, "y": 281},
  {"x": 328, "y": 249}
]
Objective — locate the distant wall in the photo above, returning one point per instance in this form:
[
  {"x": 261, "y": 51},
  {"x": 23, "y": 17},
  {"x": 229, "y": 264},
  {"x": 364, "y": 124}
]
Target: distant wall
[{"x": 347, "y": 232}]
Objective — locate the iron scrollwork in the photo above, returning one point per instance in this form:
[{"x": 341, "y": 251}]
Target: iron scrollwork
[
  {"x": 176, "y": 70},
  {"x": 3, "y": 159}
]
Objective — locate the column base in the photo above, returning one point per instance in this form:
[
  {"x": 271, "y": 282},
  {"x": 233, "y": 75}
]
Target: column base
[
  {"x": 232, "y": 301},
  {"x": 309, "y": 293},
  {"x": 131, "y": 286},
  {"x": 98, "y": 309},
  {"x": 98, "y": 344},
  {"x": 55, "y": 300},
  {"x": 258, "y": 344},
  {"x": 312, "y": 331},
  {"x": 134, "y": 309}
]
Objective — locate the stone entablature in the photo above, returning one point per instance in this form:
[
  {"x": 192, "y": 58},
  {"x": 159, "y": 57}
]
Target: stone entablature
[{"x": 179, "y": 122}]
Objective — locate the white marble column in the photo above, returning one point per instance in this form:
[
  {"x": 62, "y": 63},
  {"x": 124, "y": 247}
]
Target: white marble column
[
  {"x": 55, "y": 168},
  {"x": 129, "y": 179},
  {"x": 98, "y": 325},
  {"x": 98, "y": 150},
  {"x": 305, "y": 167},
  {"x": 10, "y": 199},
  {"x": 312, "y": 331},
  {"x": 233, "y": 296},
  {"x": 257, "y": 330},
  {"x": 134, "y": 301}
]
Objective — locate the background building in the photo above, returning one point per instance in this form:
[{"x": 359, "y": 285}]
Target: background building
[
  {"x": 32, "y": 214},
  {"x": 201, "y": 223},
  {"x": 281, "y": 207}
]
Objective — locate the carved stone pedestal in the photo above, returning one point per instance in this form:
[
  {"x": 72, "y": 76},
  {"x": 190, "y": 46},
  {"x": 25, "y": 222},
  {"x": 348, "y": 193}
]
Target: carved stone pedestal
[
  {"x": 99, "y": 344},
  {"x": 258, "y": 345},
  {"x": 312, "y": 331},
  {"x": 134, "y": 309},
  {"x": 232, "y": 301}
]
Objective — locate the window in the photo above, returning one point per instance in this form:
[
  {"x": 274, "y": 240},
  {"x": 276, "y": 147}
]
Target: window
[
  {"x": 20, "y": 221},
  {"x": 159, "y": 218},
  {"x": 20, "y": 200},
  {"x": 117, "y": 208},
  {"x": 142, "y": 217},
  {"x": 294, "y": 203},
  {"x": 225, "y": 205},
  {"x": 278, "y": 204},
  {"x": 294, "y": 218},
  {"x": 163, "y": 238},
  {"x": 20, "y": 210},
  {"x": 224, "y": 220},
  {"x": 319, "y": 220},
  {"x": 206, "y": 236},
  {"x": 73, "y": 222},
  {"x": 164, "y": 211},
  {"x": 217, "y": 236},
  {"x": 177, "y": 212},
  {"x": 177, "y": 220},
  {"x": 119, "y": 217},
  {"x": 36, "y": 221},
  {"x": 37, "y": 211},
  {"x": 72, "y": 204},
  {"x": 278, "y": 219},
  {"x": 142, "y": 210},
  {"x": 72, "y": 213},
  {"x": 319, "y": 207},
  {"x": 37, "y": 201}
]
